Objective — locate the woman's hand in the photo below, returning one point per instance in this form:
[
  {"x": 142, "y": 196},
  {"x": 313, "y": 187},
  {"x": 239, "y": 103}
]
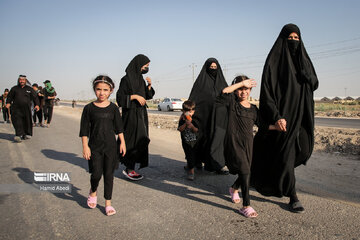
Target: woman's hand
[
  {"x": 249, "y": 83},
  {"x": 280, "y": 125},
  {"x": 86, "y": 152},
  {"x": 122, "y": 148},
  {"x": 138, "y": 98}
]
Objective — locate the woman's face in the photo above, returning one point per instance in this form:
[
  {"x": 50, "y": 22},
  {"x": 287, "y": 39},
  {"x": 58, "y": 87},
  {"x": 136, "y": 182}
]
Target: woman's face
[
  {"x": 213, "y": 66},
  {"x": 243, "y": 93},
  {"x": 145, "y": 66},
  {"x": 293, "y": 36}
]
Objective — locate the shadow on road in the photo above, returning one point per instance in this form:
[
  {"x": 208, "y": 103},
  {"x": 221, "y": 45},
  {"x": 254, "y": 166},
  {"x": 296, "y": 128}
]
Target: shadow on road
[
  {"x": 168, "y": 175},
  {"x": 66, "y": 157},
  {"x": 7, "y": 136}
]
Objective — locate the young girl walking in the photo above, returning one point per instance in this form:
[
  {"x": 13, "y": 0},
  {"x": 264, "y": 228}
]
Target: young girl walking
[
  {"x": 238, "y": 144},
  {"x": 100, "y": 122}
]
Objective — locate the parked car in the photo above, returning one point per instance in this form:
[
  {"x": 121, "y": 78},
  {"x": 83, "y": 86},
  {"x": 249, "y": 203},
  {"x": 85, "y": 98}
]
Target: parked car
[{"x": 170, "y": 104}]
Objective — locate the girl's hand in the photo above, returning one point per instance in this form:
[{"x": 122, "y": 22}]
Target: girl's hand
[
  {"x": 188, "y": 124},
  {"x": 122, "y": 149},
  {"x": 280, "y": 125},
  {"x": 86, "y": 152},
  {"x": 249, "y": 83}
]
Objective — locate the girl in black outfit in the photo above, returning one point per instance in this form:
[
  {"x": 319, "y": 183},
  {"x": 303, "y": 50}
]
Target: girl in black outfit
[
  {"x": 286, "y": 100},
  {"x": 100, "y": 122},
  {"x": 131, "y": 97}
]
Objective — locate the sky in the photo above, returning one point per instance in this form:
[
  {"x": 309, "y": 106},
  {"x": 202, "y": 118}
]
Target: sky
[{"x": 71, "y": 42}]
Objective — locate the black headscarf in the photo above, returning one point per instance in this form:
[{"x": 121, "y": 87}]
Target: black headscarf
[
  {"x": 287, "y": 86},
  {"x": 134, "y": 75}
]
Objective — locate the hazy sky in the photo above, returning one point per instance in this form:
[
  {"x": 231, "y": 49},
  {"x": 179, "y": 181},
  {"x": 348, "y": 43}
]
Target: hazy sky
[{"x": 71, "y": 42}]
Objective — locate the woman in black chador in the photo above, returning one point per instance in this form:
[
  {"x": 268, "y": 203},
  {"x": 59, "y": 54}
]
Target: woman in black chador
[
  {"x": 286, "y": 100},
  {"x": 206, "y": 88},
  {"x": 131, "y": 97}
]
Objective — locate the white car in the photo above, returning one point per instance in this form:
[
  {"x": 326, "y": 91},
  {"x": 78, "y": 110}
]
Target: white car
[{"x": 170, "y": 104}]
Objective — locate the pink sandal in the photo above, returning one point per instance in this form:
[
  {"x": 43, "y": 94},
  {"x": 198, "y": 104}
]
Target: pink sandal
[
  {"x": 110, "y": 210},
  {"x": 248, "y": 212},
  {"x": 234, "y": 196},
  {"x": 91, "y": 200}
]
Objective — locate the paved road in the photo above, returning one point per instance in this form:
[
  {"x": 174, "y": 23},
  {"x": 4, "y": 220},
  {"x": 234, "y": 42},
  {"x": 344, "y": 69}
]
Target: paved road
[
  {"x": 164, "y": 205},
  {"x": 319, "y": 121}
]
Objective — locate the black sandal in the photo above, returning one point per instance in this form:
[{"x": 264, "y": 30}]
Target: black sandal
[{"x": 296, "y": 207}]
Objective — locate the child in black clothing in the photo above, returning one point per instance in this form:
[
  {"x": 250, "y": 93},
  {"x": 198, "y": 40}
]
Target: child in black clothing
[
  {"x": 100, "y": 122},
  {"x": 189, "y": 135},
  {"x": 238, "y": 143}
]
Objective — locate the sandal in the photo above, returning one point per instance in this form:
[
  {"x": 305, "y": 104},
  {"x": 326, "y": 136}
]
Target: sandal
[
  {"x": 110, "y": 210},
  {"x": 235, "y": 198},
  {"x": 248, "y": 212},
  {"x": 296, "y": 207},
  {"x": 91, "y": 200}
]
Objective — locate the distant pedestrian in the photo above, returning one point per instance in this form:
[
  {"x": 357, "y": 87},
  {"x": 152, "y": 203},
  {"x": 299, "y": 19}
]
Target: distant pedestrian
[
  {"x": 131, "y": 97},
  {"x": 189, "y": 128},
  {"x": 5, "y": 111},
  {"x": 39, "y": 114},
  {"x": 49, "y": 100},
  {"x": 73, "y": 104},
  {"x": 207, "y": 87},
  {"x": 20, "y": 98},
  {"x": 286, "y": 101},
  {"x": 100, "y": 122}
]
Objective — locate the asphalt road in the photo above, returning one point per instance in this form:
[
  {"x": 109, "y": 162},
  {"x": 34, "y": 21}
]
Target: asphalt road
[
  {"x": 319, "y": 121},
  {"x": 164, "y": 205}
]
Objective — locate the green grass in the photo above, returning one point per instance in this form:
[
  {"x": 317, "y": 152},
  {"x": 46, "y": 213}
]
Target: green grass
[{"x": 325, "y": 107}]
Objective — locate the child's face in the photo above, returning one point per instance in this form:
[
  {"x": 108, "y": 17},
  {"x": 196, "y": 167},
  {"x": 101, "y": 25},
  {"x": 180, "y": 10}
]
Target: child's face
[
  {"x": 243, "y": 93},
  {"x": 190, "y": 113},
  {"x": 102, "y": 91},
  {"x": 35, "y": 88}
]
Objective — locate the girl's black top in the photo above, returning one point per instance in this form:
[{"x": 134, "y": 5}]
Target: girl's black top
[{"x": 101, "y": 125}]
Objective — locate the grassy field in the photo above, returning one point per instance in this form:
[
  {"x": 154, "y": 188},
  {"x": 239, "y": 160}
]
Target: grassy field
[{"x": 325, "y": 107}]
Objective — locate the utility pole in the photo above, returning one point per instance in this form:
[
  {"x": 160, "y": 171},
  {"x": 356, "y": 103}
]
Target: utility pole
[
  {"x": 193, "y": 66},
  {"x": 225, "y": 71}
]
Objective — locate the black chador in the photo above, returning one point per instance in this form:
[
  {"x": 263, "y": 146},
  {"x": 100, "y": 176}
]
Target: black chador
[
  {"x": 20, "y": 98},
  {"x": 135, "y": 118},
  {"x": 207, "y": 87},
  {"x": 287, "y": 86}
]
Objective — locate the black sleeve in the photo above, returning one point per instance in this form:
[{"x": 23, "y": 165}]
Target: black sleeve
[
  {"x": 224, "y": 99},
  {"x": 85, "y": 122},
  {"x": 123, "y": 95},
  {"x": 149, "y": 93},
  {"x": 10, "y": 97},
  {"x": 118, "y": 124},
  {"x": 268, "y": 103},
  {"x": 181, "y": 122}
]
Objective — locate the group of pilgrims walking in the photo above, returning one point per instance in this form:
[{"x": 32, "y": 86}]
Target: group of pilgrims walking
[
  {"x": 216, "y": 126},
  {"x": 26, "y": 105}
]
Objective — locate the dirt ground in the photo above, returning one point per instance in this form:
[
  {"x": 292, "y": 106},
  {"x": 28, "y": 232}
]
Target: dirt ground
[
  {"x": 330, "y": 140},
  {"x": 347, "y": 114}
]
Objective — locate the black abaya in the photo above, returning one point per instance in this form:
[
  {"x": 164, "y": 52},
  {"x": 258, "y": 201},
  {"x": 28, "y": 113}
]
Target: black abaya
[
  {"x": 287, "y": 86},
  {"x": 205, "y": 89},
  {"x": 134, "y": 116}
]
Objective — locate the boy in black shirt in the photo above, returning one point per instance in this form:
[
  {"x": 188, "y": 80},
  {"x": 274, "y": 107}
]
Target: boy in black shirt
[{"x": 189, "y": 135}]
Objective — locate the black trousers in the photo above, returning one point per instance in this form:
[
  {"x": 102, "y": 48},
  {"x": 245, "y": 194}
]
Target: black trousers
[
  {"x": 243, "y": 181},
  {"x": 5, "y": 114},
  {"x": 48, "y": 112},
  {"x": 38, "y": 114},
  {"x": 99, "y": 165},
  {"x": 22, "y": 122},
  {"x": 190, "y": 155}
]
